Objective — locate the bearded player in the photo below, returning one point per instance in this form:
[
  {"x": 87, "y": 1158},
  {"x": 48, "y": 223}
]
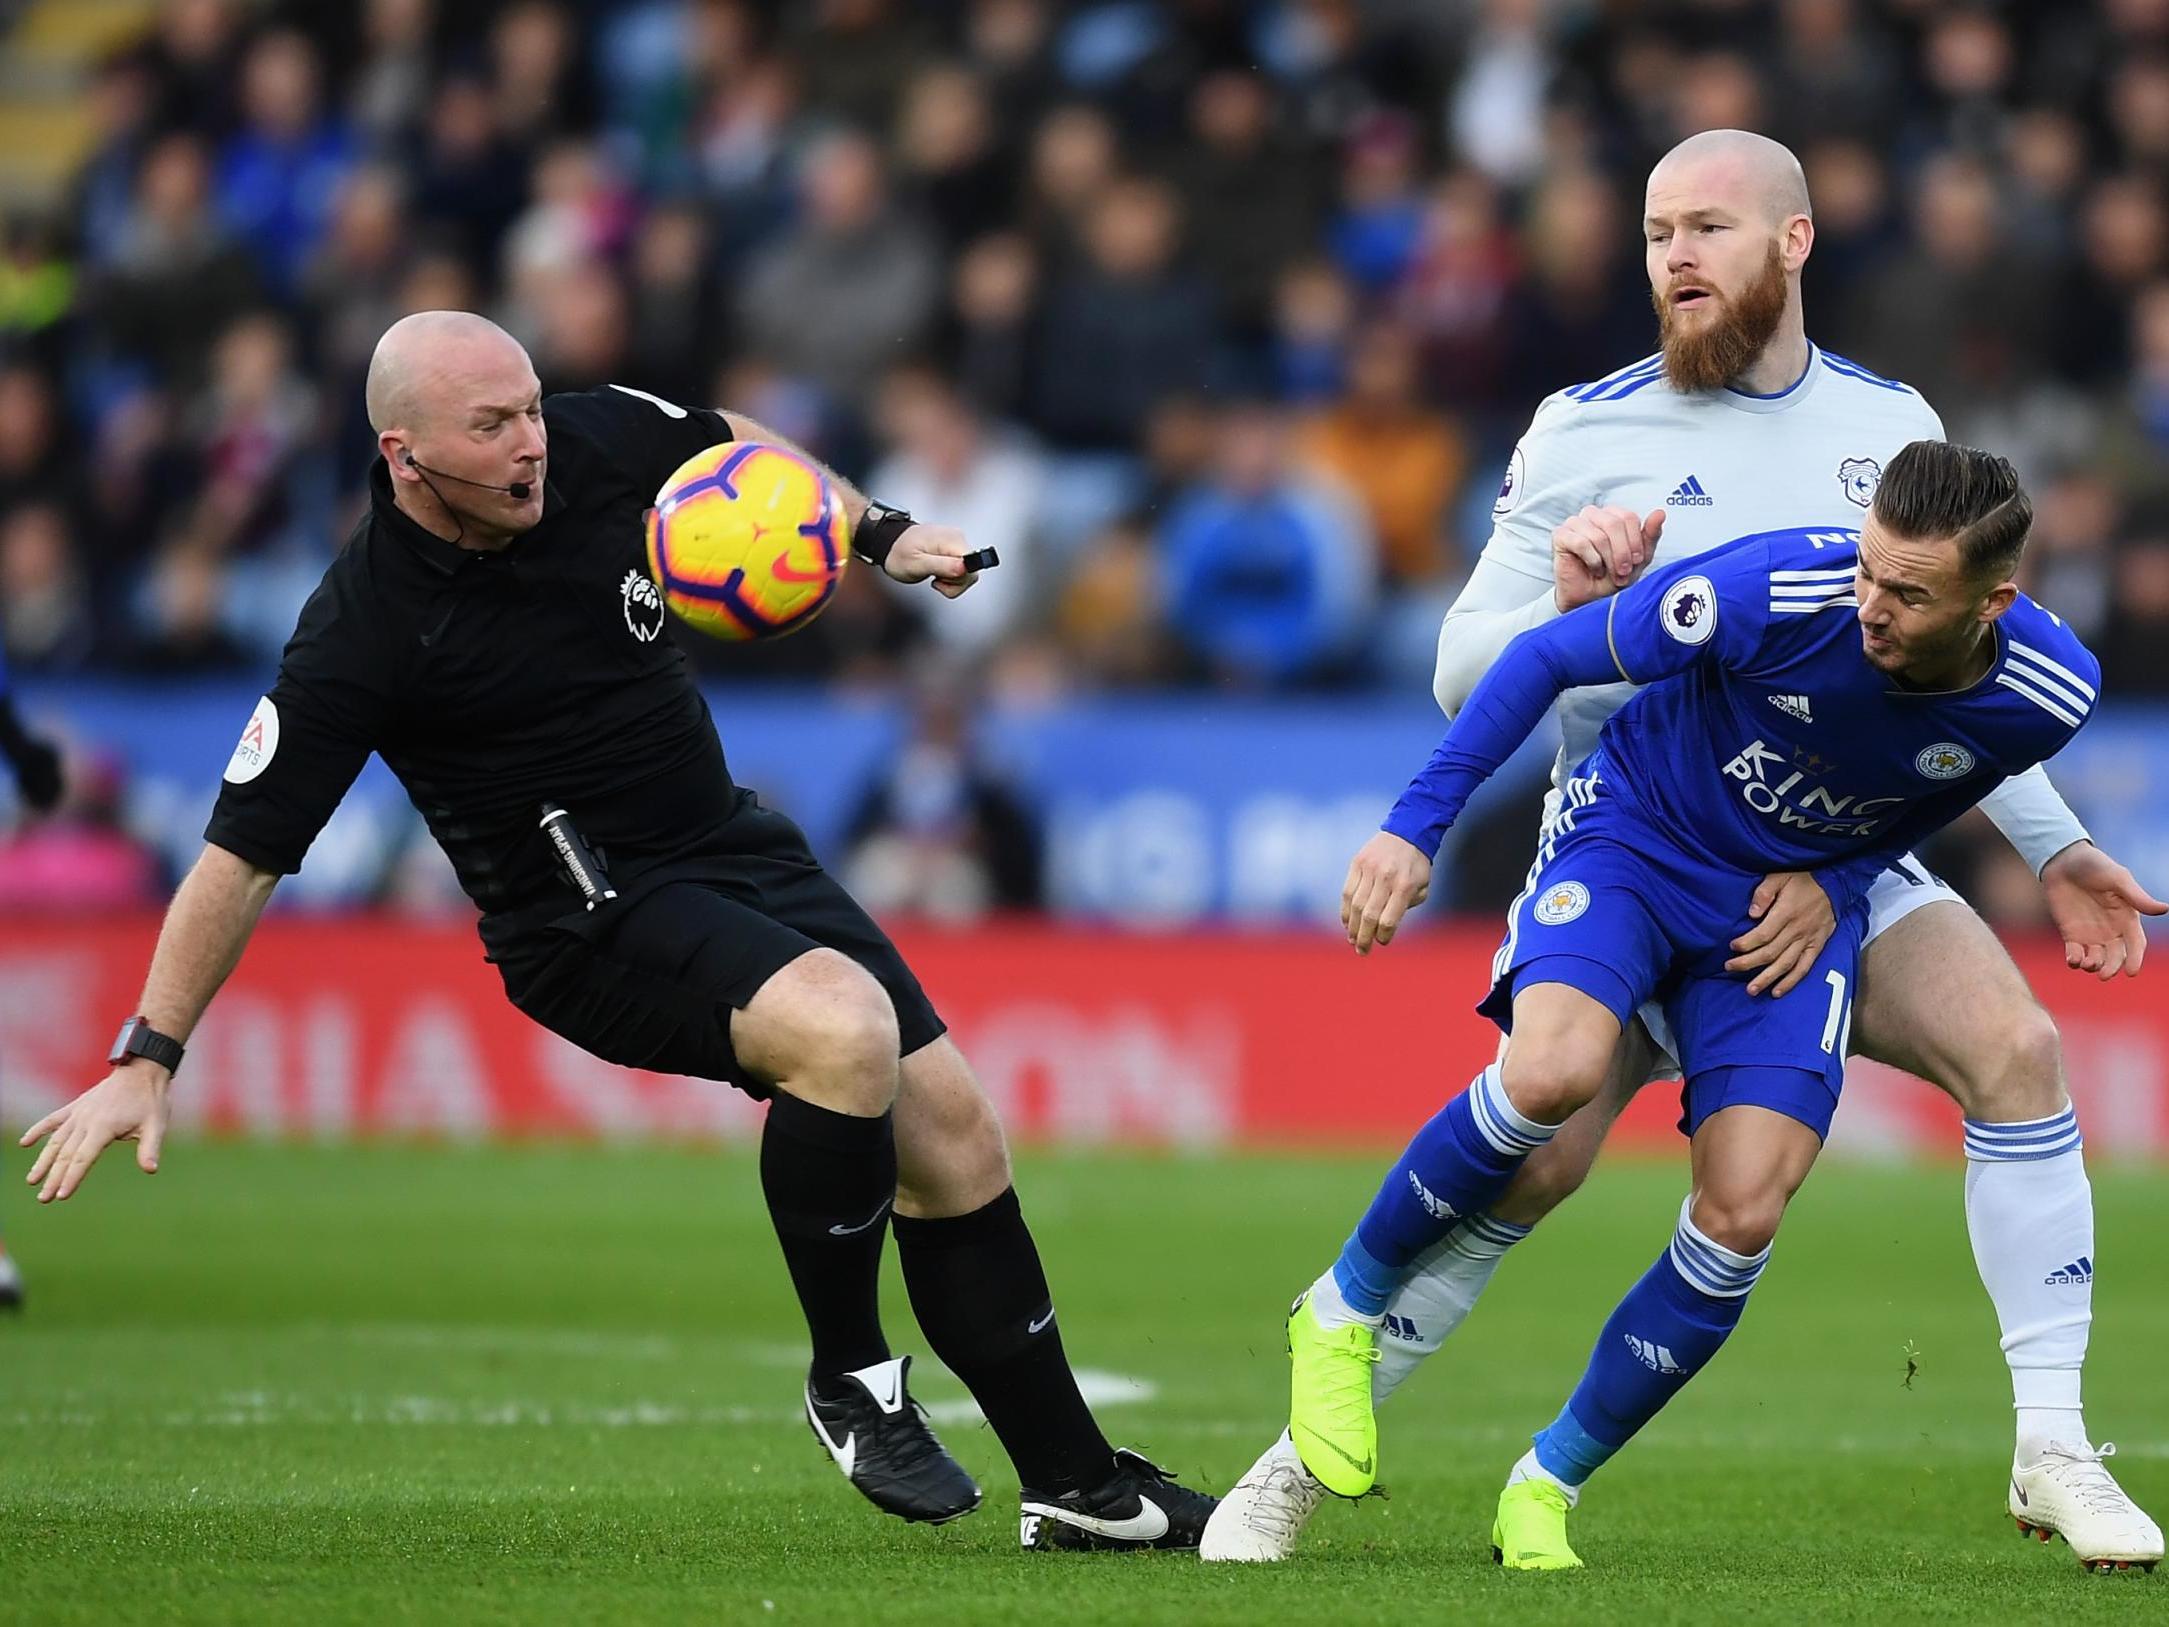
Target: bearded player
[{"x": 1740, "y": 424}]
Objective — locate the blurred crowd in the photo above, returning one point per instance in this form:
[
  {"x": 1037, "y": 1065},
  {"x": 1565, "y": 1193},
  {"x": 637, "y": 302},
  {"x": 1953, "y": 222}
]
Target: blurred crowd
[{"x": 1217, "y": 318}]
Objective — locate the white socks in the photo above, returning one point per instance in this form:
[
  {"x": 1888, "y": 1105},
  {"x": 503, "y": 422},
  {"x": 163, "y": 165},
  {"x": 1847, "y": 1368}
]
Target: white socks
[
  {"x": 1330, "y": 1306},
  {"x": 1529, "y": 1469},
  {"x": 2030, "y": 1214},
  {"x": 1441, "y": 1290}
]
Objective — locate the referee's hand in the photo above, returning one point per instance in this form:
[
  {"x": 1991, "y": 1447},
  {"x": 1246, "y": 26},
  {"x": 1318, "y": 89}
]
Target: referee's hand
[
  {"x": 1386, "y": 879},
  {"x": 128, "y": 1104},
  {"x": 933, "y": 552}
]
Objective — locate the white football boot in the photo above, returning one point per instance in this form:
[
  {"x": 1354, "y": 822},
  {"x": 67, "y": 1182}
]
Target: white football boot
[
  {"x": 11, "y": 1283},
  {"x": 1259, "y": 1520},
  {"x": 2068, "y": 1493}
]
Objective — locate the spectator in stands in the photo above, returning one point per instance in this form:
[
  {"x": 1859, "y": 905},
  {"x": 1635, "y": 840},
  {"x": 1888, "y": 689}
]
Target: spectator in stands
[
  {"x": 945, "y": 459},
  {"x": 952, "y": 166},
  {"x": 192, "y": 61},
  {"x": 33, "y": 463},
  {"x": 1963, "y": 312},
  {"x": 247, "y": 428},
  {"x": 45, "y": 619},
  {"x": 1580, "y": 299},
  {"x": 121, "y": 107},
  {"x": 470, "y": 183},
  {"x": 853, "y": 287},
  {"x": 939, "y": 834},
  {"x": 1111, "y": 618},
  {"x": 988, "y": 334},
  {"x": 583, "y": 331},
  {"x": 177, "y": 279},
  {"x": 1249, "y": 197},
  {"x": 1453, "y": 294},
  {"x": 1271, "y": 568},
  {"x": 388, "y": 94},
  {"x": 2134, "y": 649},
  {"x": 1073, "y": 162},
  {"x": 1123, "y": 330},
  {"x": 539, "y": 79},
  {"x": 2135, "y": 447},
  {"x": 1402, "y": 459},
  {"x": 280, "y": 173},
  {"x": 183, "y": 628},
  {"x": 676, "y": 319},
  {"x": 1380, "y": 225},
  {"x": 1314, "y": 314}
]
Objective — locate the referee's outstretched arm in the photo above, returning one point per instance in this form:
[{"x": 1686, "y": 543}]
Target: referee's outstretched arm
[
  {"x": 915, "y": 553},
  {"x": 207, "y": 926}
]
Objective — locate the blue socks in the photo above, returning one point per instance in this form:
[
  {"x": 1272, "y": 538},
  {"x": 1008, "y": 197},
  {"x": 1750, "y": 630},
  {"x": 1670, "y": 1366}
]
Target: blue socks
[
  {"x": 1664, "y": 1332},
  {"x": 1456, "y": 1165}
]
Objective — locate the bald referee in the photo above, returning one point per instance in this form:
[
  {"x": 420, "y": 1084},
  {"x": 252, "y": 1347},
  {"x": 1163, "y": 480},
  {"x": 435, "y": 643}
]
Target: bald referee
[{"x": 489, "y": 630}]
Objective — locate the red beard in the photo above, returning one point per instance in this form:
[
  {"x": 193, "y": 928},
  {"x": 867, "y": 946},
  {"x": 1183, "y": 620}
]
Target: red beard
[{"x": 1714, "y": 354}]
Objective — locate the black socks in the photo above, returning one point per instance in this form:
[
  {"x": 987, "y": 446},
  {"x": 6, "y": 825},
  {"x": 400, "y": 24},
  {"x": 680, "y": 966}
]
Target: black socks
[
  {"x": 982, "y": 1301},
  {"x": 830, "y": 1180}
]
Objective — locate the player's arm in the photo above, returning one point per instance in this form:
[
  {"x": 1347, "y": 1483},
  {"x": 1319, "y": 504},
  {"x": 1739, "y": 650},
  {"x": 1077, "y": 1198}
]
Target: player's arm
[
  {"x": 1593, "y": 553},
  {"x": 1712, "y": 608},
  {"x": 1549, "y": 551},
  {"x": 906, "y": 549},
  {"x": 206, "y": 927}
]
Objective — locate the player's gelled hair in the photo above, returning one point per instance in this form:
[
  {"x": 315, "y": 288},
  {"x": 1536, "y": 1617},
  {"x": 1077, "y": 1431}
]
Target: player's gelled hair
[{"x": 1935, "y": 490}]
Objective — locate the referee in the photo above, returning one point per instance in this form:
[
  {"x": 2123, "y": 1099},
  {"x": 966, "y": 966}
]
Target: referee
[{"x": 490, "y": 631}]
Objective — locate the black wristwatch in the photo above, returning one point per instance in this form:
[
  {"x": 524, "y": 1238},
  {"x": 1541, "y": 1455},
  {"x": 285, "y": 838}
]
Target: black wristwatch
[
  {"x": 138, "y": 1038},
  {"x": 877, "y": 531}
]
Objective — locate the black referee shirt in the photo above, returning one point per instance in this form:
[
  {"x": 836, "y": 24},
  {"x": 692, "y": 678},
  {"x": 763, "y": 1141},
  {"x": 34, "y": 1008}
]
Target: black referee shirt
[{"x": 493, "y": 682}]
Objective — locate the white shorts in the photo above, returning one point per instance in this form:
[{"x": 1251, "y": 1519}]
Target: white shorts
[{"x": 1892, "y": 896}]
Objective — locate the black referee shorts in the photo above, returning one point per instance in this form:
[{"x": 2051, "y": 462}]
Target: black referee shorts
[{"x": 650, "y": 979}]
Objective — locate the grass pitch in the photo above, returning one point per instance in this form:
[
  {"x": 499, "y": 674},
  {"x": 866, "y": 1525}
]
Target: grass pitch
[{"x": 392, "y": 1384}]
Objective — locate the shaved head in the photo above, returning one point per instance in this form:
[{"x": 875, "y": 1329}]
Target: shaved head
[
  {"x": 458, "y": 414},
  {"x": 428, "y": 364},
  {"x": 1739, "y": 165}
]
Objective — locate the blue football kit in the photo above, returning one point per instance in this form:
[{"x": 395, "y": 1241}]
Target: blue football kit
[{"x": 1764, "y": 740}]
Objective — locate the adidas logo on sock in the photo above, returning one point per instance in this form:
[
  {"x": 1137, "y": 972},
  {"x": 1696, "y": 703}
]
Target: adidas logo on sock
[
  {"x": 1434, "y": 1205},
  {"x": 1653, "y": 1356},
  {"x": 1402, "y": 1327},
  {"x": 1793, "y": 706},
  {"x": 2078, "y": 1272},
  {"x": 1689, "y": 494}
]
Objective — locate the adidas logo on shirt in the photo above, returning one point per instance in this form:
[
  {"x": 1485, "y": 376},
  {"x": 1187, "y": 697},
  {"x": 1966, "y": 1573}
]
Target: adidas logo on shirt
[
  {"x": 1653, "y": 1356},
  {"x": 1689, "y": 494},
  {"x": 2076, "y": 1274},
  {"x": 1794, "y": 706}
]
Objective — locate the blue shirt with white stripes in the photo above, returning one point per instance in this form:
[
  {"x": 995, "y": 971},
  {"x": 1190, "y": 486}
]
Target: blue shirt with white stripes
[{"x": 1765, "y": 740}]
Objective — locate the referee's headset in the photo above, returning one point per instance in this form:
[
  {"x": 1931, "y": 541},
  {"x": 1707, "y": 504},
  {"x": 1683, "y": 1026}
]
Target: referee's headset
[{"x": 518, "y": 490}]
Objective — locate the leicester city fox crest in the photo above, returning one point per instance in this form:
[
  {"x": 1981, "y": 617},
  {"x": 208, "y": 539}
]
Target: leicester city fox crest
[{"x": 1860, "y": 477}]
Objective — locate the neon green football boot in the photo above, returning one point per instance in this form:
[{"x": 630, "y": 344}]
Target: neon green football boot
[
  {"x": 1329, "y": 1400},
  {"x": 1530, "y": 1532}
]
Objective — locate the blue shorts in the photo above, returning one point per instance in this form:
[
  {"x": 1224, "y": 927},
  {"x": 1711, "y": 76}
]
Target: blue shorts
[{"x": 1618, "y": 911}]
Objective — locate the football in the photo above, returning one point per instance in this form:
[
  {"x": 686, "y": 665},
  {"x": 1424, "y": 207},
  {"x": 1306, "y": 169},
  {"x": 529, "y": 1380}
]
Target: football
[{"x": 747, "y": 541}]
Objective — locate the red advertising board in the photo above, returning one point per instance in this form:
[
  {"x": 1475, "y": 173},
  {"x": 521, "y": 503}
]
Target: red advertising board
[{"x": 360, "y": 1026}]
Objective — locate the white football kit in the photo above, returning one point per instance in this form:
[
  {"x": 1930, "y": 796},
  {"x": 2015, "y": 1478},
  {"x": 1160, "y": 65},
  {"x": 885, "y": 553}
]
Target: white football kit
[{"x": 1721, "y": 464}]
